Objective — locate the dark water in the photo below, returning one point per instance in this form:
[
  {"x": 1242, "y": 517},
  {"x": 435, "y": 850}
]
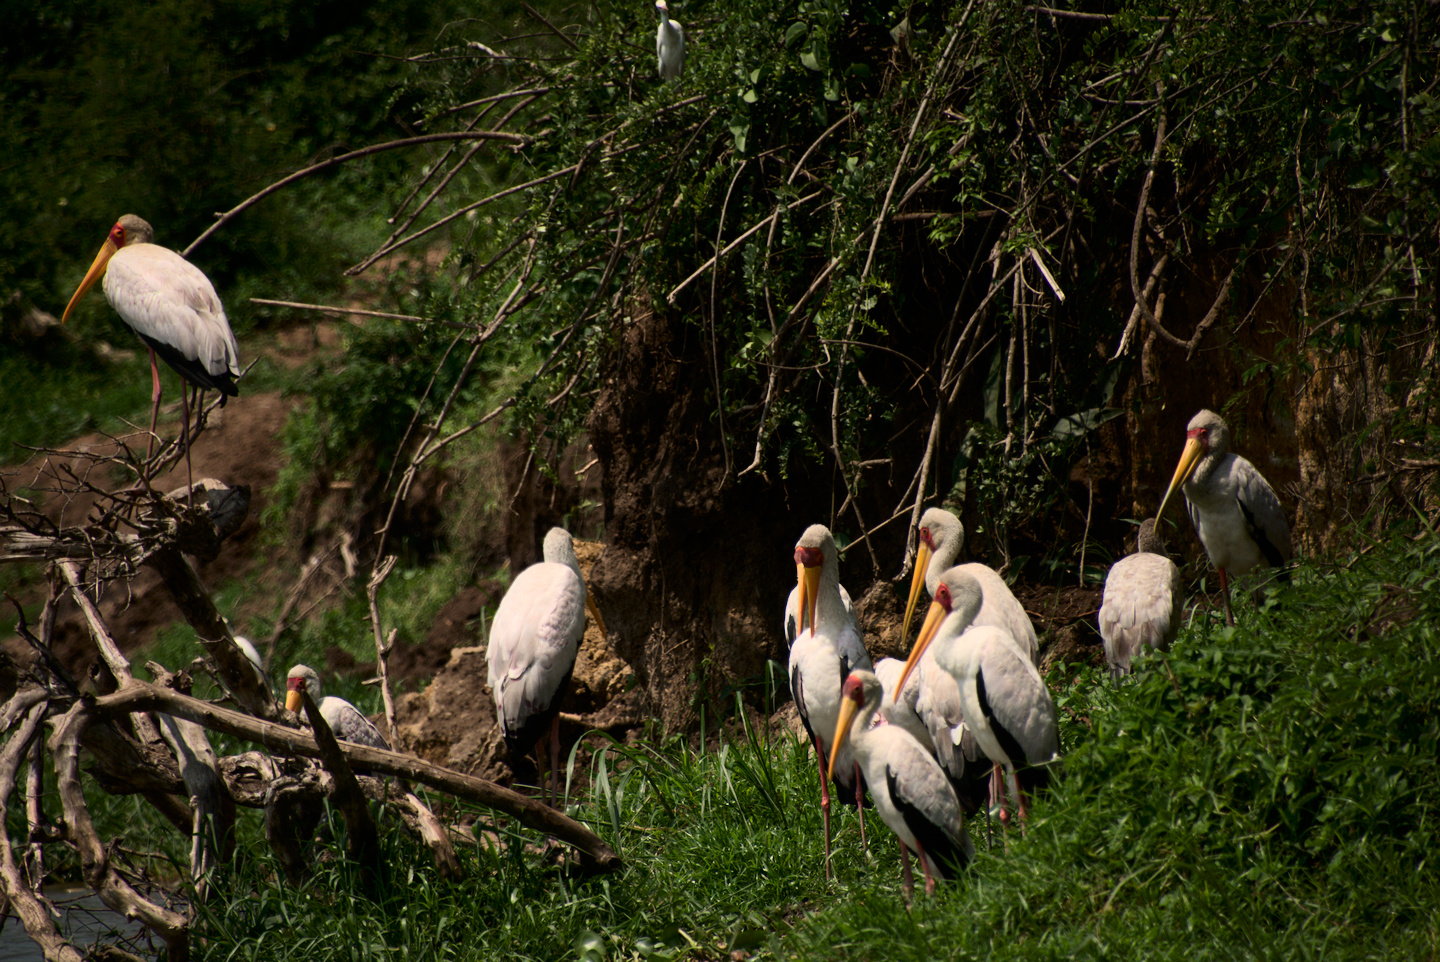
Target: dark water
[{"x": 84, "y": 919}]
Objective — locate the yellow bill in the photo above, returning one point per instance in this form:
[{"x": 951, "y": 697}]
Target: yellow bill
[
  {"x": 917, "y": 584},
  {"x": 848, "y": 708},
  {"x": 1194, "y": 451},
  {"x": 96, "y": 271},
  {"x": 928, "y": 630}
]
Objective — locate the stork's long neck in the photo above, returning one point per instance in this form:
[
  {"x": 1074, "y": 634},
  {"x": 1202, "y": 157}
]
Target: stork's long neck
[
  {"x": 943, "y": 559},
  {"x": 562, "y": 551},
  {"x": 829, "y": 608}
]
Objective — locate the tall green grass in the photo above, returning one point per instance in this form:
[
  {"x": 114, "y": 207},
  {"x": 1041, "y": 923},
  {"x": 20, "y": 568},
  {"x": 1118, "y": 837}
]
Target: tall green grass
[{"x": 1270, "y": 791}]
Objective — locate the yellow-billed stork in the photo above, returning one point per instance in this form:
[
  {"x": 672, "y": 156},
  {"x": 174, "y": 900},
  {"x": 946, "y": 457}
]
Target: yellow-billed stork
[
  {"x": 1003, "y": 699},
  {"x": 911, "y": 793},
  {"x": 1234, "y": 509},
  {"x": 173, "y": 308},
  {"x": 1142, "y": 602}
]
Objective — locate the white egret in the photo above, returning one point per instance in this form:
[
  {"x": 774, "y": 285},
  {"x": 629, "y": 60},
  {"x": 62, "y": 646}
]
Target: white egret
[{"x": 669, "y": 45}]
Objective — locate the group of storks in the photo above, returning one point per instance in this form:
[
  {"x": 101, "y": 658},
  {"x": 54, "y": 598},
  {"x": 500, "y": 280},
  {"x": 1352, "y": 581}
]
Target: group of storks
[{"x": 965, "y": 722}]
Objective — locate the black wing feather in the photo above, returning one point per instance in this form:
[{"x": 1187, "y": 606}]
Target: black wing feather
[{"x": 946, "y": 852}]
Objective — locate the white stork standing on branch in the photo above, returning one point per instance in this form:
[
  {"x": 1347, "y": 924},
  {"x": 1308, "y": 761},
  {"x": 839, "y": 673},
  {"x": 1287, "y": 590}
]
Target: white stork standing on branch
[
  {"x": 174, "y": 309},
  {"x": 1234, "y": 509}
]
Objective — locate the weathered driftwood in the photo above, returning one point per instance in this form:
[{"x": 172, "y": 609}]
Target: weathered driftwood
[
  {"x": 22, "y": 898},
  {"x": 95, "y": 865},
  {"x": 142, "y": 696}
]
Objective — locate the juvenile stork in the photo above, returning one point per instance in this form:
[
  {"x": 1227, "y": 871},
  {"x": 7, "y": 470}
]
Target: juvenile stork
[
  {"x": 826, "y": 648},
  {"x": 533, "y": 642},
  {"x": 1142, "y": 602},
  {"x": 669, "y": 45},
  {"x": 1234, "y": 509},
  {"x": 1003, "y": 699},
  {"x": 911, "y": 793},
  {"x": 345, "y": 720},
  {"x": 174, "y": 309}
]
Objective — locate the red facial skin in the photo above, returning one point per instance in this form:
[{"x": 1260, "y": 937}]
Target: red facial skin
[
  {"x": 295, "y": 684},
  {"x": 928, "y": 538},
  {"x": 117, "y": 235},
  {"x": 942, "y": 596},
  {"x": 854, "y": 689},
  {"x": 809, "y": 557},
  {"x": 1202, "y": 435}
]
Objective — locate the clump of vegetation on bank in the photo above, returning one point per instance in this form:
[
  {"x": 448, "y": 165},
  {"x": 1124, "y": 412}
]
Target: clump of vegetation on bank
[{"x": 1268, "y": 791}]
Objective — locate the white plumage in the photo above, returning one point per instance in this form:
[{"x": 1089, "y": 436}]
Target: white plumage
[
  {"x": 535, "y": 636},
  {"x": 1235, "y": 511},
  {"x": 898, "y": 708},
  {"x": 826, "y": 648},
  {"x": 1142, "y": 603},
  {"x": 669, "y": 45},
  {"x": 911, "y": 793},
  {"x": 346, "y": 721},
  {"x": 940, "y": 535},
  {"x": 533, "y": 642},
  {"x": 168, "y": 301},
  {"x": 1003, "y": 700}
]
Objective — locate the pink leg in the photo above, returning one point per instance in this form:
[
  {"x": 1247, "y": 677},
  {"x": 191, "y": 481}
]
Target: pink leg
[
  {"x": 555, "y": 762},
  {"x": 860, "y": 804},
  {"x": 924, "y": 861},
  {"x": 1020, "y": 801},
  {"x": 185, "y": 438},
  {"x": 154, "y": 402},
  {"x": 824, "y": 802},
  {"x": 997, "y": 795},
  {"x": 1225, "y": 593},
  {"x": 907, "y": 877}
]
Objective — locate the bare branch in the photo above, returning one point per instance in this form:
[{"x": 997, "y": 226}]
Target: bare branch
[{"x": 143, "y": 696}]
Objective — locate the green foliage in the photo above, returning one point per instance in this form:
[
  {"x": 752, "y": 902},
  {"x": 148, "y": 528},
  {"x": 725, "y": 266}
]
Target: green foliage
[
  {"x": 1296, "y": 147},
  {"x": 1268, "y": 791}
]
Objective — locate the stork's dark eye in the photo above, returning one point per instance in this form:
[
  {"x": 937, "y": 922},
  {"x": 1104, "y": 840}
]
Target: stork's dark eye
[
  {"x": 942, "y": 597},
  {"x": 117, "y": 235}
]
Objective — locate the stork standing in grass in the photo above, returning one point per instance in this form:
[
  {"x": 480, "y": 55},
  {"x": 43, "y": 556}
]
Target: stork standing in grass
[
  {"x": 1234, "y": 509},
  {"x": 174, "y": 309},
  {"x": 345, "y": 720},
  {"x": 533, "y": 642},
  {"x": 827, "y": 646},
  {"x": 1003, "y": 699},
  {"x": 911, "y": 793},
  {"x": 938, "y": 704},
  {"x": 1142, "y": 602}
]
